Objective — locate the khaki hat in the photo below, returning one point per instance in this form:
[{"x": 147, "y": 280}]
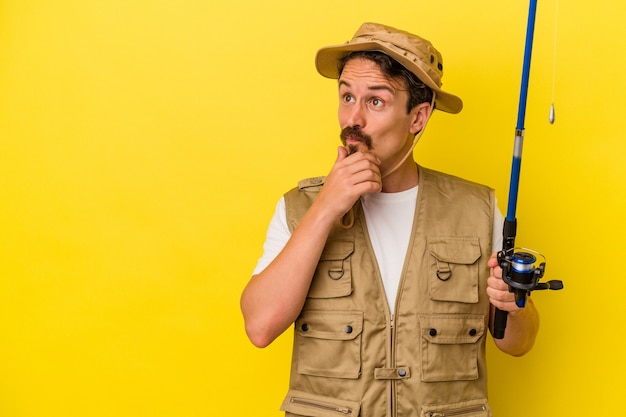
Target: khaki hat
[{"x": 416, "y": 54}]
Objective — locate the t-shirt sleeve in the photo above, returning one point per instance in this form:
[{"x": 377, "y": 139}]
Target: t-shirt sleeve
[
  {"x": 276, "y": 238},
  {"x": 498, "y": 225}
]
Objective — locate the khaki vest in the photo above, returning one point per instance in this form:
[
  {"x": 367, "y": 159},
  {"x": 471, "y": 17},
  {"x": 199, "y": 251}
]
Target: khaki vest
[{"x": 352, "y": 358}]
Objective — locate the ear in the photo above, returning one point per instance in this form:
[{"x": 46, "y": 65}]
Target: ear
[{"x": 420, "y": 115}]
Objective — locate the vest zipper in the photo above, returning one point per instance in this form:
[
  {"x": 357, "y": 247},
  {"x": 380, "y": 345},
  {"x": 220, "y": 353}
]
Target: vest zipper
[
  {"x": 392, "y": 385},
  {"x": 458, "y": 411},
  {"x": 322, "y": 406}
]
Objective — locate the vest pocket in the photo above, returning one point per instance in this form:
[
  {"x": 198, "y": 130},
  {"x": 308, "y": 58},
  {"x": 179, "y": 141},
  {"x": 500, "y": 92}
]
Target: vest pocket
[
  {"x": 450, "y": 346},
  {"x": 333, "y": 276},
  {"x": 328, "y": 343},
  {"x": 454, "y": 268},
  {"x": 472, "y": 408},
  {"x": 298, "y": 403}
]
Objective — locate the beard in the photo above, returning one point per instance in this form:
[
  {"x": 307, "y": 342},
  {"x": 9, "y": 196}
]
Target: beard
[{"x": 355, "y": 133}]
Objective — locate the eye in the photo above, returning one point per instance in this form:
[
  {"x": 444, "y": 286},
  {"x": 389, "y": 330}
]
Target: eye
[
  {"x": 376, "y": 102},
  {"x": 348, "y": 98}
]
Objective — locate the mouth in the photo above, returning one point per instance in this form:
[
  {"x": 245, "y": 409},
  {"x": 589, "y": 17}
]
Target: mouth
[{"x": 353, "y": 138}]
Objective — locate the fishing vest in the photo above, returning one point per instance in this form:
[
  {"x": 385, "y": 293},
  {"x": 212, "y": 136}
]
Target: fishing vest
[{"x": 351, "y": 357}]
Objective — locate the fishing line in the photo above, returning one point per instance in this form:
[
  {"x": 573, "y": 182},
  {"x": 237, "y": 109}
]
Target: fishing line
[{"x": 552, "y": 115}]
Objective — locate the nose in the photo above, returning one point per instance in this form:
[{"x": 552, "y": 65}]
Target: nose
[{"x": 356, "y": 116}]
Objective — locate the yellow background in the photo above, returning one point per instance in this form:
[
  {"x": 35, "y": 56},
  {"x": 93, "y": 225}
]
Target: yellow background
[{"x": 144, "y": 144}]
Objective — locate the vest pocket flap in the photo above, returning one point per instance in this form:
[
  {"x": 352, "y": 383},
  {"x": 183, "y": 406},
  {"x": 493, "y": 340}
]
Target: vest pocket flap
[
  {"x": 456, "y": 250},
  {"x": 330, "y": 325},
  {"x": 305, "y": 404},
  {"x": 337, "y": 250},
  {"x": 451, "y": 329}
]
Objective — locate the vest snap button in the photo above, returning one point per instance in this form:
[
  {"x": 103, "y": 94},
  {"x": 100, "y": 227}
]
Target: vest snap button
[
  {"x": 472, "y": 332},
  {"x": 348, "y": 329},
  {"x": 433, "y": 332},
  {"x": 304, "y": 327},
  {"x": 402, "y": 372}
]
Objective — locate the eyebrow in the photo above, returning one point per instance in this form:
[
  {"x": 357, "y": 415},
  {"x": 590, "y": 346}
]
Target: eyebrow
[{"x": 373, "y": 87}]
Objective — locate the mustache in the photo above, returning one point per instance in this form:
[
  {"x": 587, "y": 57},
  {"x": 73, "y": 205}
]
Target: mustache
[{"x": 354, "y": 132}]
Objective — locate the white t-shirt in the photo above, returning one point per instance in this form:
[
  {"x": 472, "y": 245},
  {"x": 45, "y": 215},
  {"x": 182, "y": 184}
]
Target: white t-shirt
[{"x": 387, "y": 216}]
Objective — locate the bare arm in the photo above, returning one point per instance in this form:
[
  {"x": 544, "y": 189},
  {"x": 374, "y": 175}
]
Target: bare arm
[
  {"x": 273, "y": 299},
  {"x": 522, "y": 323}
]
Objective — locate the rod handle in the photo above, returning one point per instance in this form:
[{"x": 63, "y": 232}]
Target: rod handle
[{"x": 499, "y": 323}]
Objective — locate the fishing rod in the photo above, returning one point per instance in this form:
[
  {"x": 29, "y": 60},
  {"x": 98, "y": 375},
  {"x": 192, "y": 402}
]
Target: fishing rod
[{"x": 521, "y": 268}]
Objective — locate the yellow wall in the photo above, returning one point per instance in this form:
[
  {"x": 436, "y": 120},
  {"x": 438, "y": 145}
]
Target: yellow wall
[{"x": 143, "y": 145}]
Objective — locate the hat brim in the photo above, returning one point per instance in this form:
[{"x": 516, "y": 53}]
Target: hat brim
[{"x": 327, "y": 59}]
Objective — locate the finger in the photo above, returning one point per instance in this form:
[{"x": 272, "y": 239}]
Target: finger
[
  {"x": 496, "y": 272},
  {"x": 341, "y": 153},
  {"x": 366, "y": 182},
  {"x": 497, "y": 284},
  {"x": 504, "y": 300},
  {"x": 508, "y": 306},
  {"x": 493, "y": 260}
]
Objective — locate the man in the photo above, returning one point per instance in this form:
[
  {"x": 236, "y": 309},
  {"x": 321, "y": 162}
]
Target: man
[{"x": 392, "y": 291}]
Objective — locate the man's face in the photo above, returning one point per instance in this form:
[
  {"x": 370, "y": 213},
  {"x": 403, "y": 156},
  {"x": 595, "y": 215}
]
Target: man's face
[{"x": 372, "y": 112}]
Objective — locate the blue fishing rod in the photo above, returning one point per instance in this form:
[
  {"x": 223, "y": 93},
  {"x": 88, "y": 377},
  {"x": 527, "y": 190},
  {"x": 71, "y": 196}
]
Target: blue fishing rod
[{"x": 521, "y": 268}]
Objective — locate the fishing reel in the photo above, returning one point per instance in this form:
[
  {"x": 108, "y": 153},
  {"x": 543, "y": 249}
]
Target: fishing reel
[{"x": 522, "y": 269}]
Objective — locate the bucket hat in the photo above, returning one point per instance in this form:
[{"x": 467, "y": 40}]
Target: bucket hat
[{"x": 416, "y": 54}]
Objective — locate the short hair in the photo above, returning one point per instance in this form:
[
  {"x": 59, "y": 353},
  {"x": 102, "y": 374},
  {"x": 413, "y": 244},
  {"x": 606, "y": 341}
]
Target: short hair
[{"x": 418, "y": 91}]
